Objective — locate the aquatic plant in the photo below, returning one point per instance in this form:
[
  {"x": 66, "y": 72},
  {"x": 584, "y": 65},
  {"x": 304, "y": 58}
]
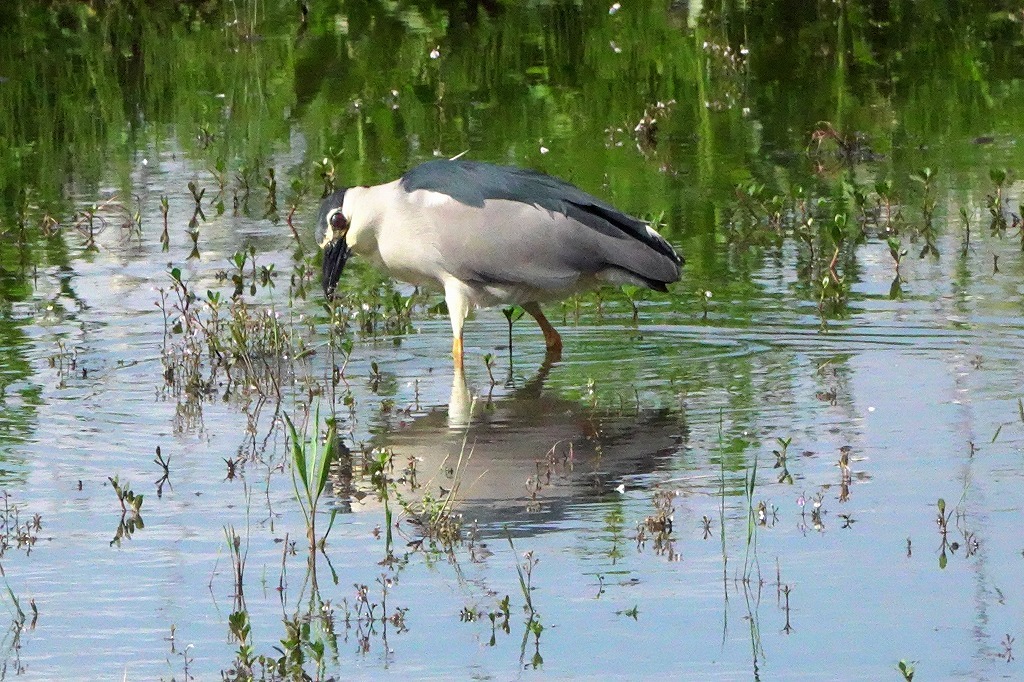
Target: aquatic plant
[
  {"x": 926, "y": 178},
  {"x": 326, "y": 170},
  {"x": 533, "y": 624},
  {"x": 130, "y": 501},
  {"x": 1007, "y": 644},
  {"x": 131, "y": 514},
  {"x": 513, "y": 314},
  {"x": 165, "y": 466},
  {"x": 238, "y": 557},
  {"x": 14, "y": 532},
  {"x": 11, "y": 641},
  {"x": 660, "y": 525},
  {"x": 996, "y": 202},
  {"x": 434, "y": 517},
  {"x": 704, "y": 296},
  {"x": 165, "y": 238},
  {"x": 785, "y": 591},
  {"x": 489, "y": 364},
  {"x": 197, "y": 193},
  {"x": 311, "y": 465},
  {"x": 780, "y": 460},
  {"x": 241, "y": 630},
  {"x": 270, "y": 184},
  {"x": 888, "y": 207},
  {"x": 635, "y": 296},
  {"x": 750, "y": 479}
]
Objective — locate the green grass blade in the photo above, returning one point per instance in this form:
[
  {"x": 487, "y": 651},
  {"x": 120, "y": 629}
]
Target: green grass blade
[
  {"x": 298, "y": 451},
  {"x": 330, "y": 524},
  {"x": 323, "y": 464},
  {"x": 299, "y": 466}
]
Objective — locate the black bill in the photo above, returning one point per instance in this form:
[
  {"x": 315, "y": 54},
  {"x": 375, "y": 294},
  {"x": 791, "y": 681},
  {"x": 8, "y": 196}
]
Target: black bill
[{"x": 335, "y": 255}]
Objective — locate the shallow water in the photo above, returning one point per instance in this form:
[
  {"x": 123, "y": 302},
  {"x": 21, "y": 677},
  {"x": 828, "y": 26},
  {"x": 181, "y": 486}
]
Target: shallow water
[{"x": 566, "y": 461}]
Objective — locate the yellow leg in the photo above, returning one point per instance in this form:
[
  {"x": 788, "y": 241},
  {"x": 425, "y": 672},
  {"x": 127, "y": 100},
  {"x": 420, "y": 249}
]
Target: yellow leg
[
  {"x": 457, "y": 352},
  {"x": 552, "y": 339},
  {"x": 458, "y": 307}
]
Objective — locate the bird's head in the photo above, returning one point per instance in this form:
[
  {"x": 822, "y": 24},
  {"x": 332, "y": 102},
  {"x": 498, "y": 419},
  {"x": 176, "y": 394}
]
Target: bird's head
[{"x": 331, "y": 230}]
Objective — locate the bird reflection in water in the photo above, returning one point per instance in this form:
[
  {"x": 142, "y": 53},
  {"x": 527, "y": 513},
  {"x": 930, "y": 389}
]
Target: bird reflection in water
[{"x": 526, "y": 454}]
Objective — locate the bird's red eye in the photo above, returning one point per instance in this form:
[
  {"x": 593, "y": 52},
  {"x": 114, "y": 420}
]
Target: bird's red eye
[{"x": 338, "y": 223}]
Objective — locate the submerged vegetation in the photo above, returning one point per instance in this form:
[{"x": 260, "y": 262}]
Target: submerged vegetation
[{"x": 824, "y": 169}]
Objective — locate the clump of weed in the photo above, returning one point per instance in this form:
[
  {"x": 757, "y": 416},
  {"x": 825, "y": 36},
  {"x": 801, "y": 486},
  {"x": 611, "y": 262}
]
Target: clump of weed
[
  {"x": 435, "y": 517},
  {"x": 131, "y": 511},
  {"x": 206, "y": 338},
  {"x": 90, "y": 221},
  {"x": 14, "y": 532},
  {"x": 302, "y": 645},
  {"x": 659, "y": 525}
]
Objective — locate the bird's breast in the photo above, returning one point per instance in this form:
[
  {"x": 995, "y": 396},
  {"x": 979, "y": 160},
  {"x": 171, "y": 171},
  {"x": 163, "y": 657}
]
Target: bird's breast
[{"x": 410, "y": 260}]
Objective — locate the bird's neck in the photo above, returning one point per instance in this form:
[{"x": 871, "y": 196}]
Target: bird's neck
[{"x": 364, "y": 209}]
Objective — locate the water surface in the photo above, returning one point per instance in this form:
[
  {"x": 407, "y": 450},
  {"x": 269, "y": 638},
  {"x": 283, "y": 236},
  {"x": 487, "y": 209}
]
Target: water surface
[{"x": 714, "y": 121}]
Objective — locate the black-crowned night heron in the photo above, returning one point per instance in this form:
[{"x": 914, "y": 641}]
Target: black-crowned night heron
[{"x": 491, "y": 235}]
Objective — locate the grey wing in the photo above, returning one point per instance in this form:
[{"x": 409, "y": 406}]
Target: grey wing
[
  {"x": 505, "y": 242},
  {"x": 476, "y": 184}
]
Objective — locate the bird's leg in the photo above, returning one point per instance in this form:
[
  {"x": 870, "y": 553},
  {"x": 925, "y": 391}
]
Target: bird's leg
[
  {"x": 458, "y": 308},
  {"x": 457, "y": 352},
  {"x": 552, "y": 339},
  {"x": 460, "y": 403}
]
